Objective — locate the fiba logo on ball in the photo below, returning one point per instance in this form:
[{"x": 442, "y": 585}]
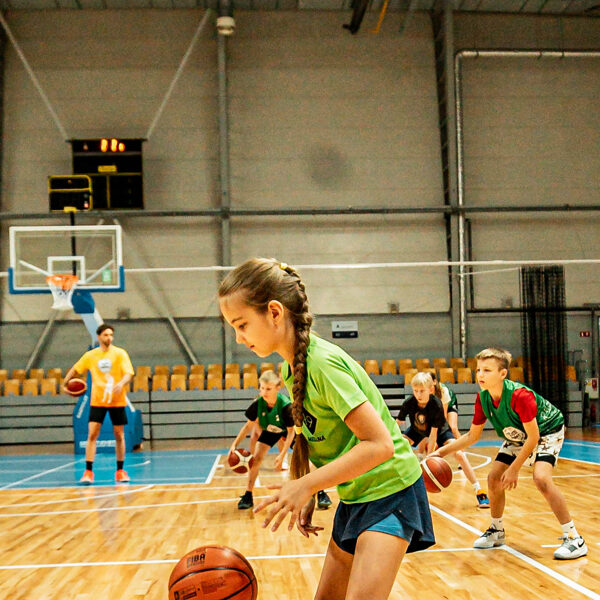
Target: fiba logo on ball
[{"x": 195, "y": 559}]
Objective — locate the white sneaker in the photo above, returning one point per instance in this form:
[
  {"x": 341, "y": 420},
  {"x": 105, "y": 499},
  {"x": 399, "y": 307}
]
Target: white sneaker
[
  {"x": 284, "y": 465},
  {"x": 490, "y": 538},
  {"x": 571, "y": 548}
]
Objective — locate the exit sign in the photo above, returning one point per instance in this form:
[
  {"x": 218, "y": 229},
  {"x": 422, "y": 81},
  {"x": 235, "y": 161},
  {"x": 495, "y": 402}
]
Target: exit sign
[{"x": 585, "y": 334}]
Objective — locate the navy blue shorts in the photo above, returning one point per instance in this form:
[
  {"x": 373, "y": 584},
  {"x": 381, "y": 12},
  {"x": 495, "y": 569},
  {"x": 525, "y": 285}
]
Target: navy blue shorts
[{"x": 409, "y": 505}]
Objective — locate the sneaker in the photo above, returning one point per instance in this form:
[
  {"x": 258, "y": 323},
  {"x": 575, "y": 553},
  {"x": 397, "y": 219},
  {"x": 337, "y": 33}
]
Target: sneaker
[
  {"x": 482, "y": 499},
  {"x": 121, "y": 476},
  {"x": 323, "y": 500},
  {"x": 284, "y": 465},
  {"x": 571, "y": 548},
  {"x": 490, "y": 539},
  {"x": 246, "y": 501},
  {"x": 87, "y": 478}
]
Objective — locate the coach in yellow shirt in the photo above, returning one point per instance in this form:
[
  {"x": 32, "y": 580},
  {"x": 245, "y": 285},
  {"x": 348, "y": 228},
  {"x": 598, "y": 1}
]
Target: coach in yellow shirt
[{"x": 111, "y": 370}]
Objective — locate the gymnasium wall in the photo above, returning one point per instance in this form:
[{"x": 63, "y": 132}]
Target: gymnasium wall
[{"x": 318, "y": 118}]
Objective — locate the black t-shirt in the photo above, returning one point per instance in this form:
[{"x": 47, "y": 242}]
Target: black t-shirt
[
  {"x": 252, "y": 413},
  {"x": 426, "y": 417}
]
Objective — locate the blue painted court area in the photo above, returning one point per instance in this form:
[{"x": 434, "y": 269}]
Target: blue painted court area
[
  {"x": 64, "y": 470},
  {"x": 167, "y": 466}
]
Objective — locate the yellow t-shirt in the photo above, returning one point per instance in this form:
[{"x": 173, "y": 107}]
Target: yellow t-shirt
[{"x": 107, "y": 368}]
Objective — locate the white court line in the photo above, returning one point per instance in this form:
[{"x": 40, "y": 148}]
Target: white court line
[
  {"x": 4, "y": 487},
  {"x": 587, "y": 462},
  {"x": 534, "y": 563},
  {"x": 213, "y": 469},
  {"x": 114, "y": 508},
  {"x": 80, "y": 499},
  {"x": 176, "y": 560}
]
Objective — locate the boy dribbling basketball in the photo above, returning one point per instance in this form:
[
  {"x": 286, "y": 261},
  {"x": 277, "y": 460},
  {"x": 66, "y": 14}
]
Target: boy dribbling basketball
[{"x": 533, "y": 433}]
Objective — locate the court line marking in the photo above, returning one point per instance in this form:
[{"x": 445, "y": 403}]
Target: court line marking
[
  {"x": 534, "y": 563},
  {"x": 176, "y": 560},
  {"x": 214, "y": 467},
  {"x": 4, "y": 487},
  {"x": 81, "y": 498}
]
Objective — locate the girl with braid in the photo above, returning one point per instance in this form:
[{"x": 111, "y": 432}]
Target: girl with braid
[{"x": 343, "y": 427}]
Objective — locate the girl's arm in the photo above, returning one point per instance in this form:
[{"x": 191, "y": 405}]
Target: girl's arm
[{"x": 375, "y": 447}]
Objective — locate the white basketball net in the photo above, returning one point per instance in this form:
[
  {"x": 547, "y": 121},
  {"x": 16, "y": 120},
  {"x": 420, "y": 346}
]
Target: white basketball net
[{"x": 62, "y": 287}]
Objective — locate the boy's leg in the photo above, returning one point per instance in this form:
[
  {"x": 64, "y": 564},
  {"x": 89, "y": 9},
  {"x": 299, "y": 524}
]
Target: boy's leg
[
  {"x": 246, "y": 500},
  {"x": 93, "y": 433},
  {"x": 463, "y": 461},
  {"x": 573, "y": 545},
  {"x": 254, "y": 435},
  {"x": 494, "y": 535}
]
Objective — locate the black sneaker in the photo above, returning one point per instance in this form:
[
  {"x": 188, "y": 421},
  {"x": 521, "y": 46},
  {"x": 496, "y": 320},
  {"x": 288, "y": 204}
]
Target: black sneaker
[
  {"x": 246, "y": 501},
  {"x": 323, "y": 500}
]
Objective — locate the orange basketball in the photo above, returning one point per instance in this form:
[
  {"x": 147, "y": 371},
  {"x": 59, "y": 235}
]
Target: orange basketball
[
  {"x": 213, "y": 573},
  {"x": 76, "y": 386},
  {"x": 437, "y": 473},
  {"x": 240, "y": 460}
]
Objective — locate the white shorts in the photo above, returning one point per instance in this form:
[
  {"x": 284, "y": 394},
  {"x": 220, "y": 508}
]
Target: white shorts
[{"x": 547, "y": 449}]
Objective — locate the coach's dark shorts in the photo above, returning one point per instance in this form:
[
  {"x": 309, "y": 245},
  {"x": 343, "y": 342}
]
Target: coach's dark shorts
[
  {"x": 270, "y": 438},
  {"x": 118, "y": 416},
  {"x": 410, "y": 505}
]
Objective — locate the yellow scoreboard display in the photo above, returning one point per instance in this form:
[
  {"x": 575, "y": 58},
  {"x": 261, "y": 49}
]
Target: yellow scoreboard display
[{"x": 114, "y": 166}]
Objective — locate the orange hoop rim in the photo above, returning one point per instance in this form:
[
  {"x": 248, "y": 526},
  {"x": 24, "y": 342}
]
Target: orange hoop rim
[{"x": 64, "y": 281}]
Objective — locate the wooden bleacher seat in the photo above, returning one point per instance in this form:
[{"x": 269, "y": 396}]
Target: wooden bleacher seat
[
  {"x": 179, "y": 370},
  {"x": 409, "y": 374},
  {"x": 250, "y": 380},
  {"x": 12, "y": 387},
  {"x": 197, "y": 370},
  {"x": 232, "y": 381},
  {"x": 457, "y": 363},
  {"x": 422, "y": 363},
  {"x": 371, "y": 366},
  {"x": 56, "y": 373},
  {"x": 48, "y": 386},
  {"x": 404, "y": 364},
  {"x": 430, "y": 370},
  {"x": 196, "y": 381},
  {"x": 267, "y": 366},
  {"x": 178, "y": 382},
  {"x": 143, "y": 371},
  {"x": 140, "y": 382},
  {"x": 516, "y": 374},
  {"x": 472, "y": 364},
  {"x": 160, "y": 383},
  {"x": 249, "y": 368},
  {"x": 464, "y": 375},
  {"x": 571, "y": 374},
  {"x": 214, "y": 381},
  {"x": 162, "y": 370},
  {"x": 215, "y": 369},
  {"x": 440, "y": 363},
  {"x": 232, "y": 368},
  {"x": 518, "y": 361},
  {"x": 31, "y": 387},
  {"x": 446, "y": 375},
  {"x": 388, "y": 366},
  {"x": 20, "y": 374},
  {"x": 3, "y": 375},
  {"x": 36, "y": 374}
]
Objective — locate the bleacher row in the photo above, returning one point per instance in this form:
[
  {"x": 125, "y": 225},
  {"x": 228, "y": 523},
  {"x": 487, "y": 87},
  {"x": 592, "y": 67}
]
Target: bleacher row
[{"x": 195, "y": 377}]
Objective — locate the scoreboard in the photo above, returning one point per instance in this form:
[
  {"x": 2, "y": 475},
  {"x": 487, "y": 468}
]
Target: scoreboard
[{"x": 114, "y": 166}]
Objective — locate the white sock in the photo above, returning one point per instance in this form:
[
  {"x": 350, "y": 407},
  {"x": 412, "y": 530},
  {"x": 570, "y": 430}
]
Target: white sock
[
  {"x": 476, "y": 486},
  {"x": 569, "y": 530},
  {"x": 497, "y": 524}
]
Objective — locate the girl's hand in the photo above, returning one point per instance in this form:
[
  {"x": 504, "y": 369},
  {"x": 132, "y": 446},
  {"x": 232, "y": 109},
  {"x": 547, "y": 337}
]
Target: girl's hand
[
  {"x": 304, "y": 524},
  {"x": 289, "y": 498}
]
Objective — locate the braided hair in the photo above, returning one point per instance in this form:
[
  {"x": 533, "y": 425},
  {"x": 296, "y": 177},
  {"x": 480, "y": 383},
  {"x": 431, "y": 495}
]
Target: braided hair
[{"x": 261, "y": 280}]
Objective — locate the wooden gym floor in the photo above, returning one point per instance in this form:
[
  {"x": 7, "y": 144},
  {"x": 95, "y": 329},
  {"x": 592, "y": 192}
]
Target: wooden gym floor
[{"x": 59, "y": 540}]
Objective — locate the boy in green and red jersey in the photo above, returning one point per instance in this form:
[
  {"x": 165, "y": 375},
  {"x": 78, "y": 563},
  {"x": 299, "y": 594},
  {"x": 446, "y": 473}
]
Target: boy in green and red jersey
[{"x": 533, "y": 433}]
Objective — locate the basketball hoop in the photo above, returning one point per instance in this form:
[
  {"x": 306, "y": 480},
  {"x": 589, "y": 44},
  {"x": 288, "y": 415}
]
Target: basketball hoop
[{"x": 62, "y": 287}]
